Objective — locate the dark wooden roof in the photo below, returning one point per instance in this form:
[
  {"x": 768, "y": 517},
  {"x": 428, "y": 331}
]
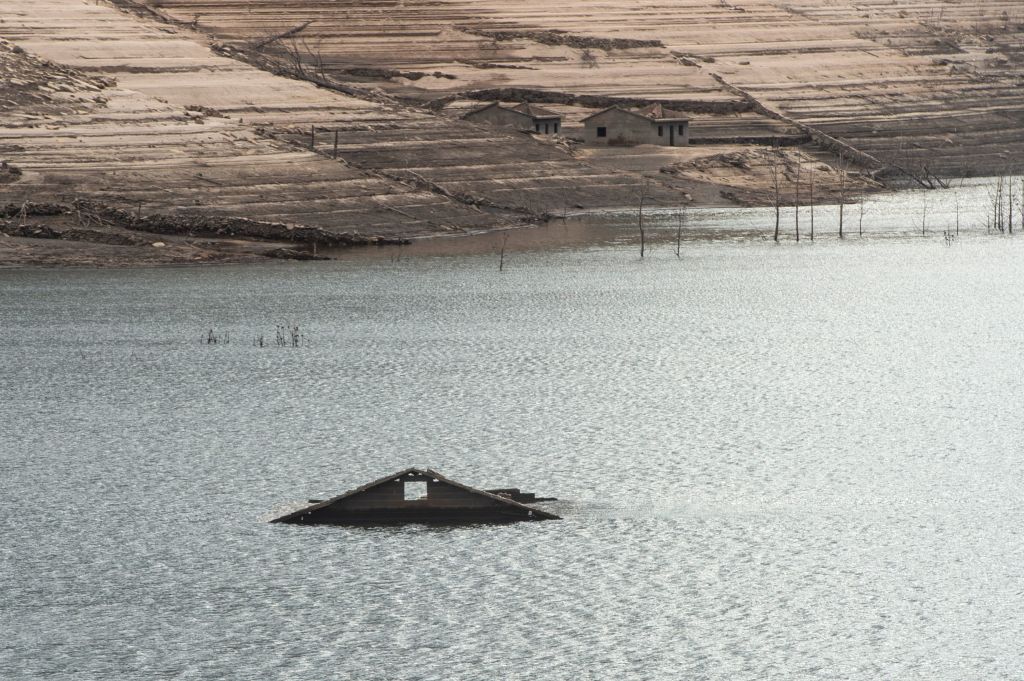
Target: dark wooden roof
[{"x": 496, "y": 500}]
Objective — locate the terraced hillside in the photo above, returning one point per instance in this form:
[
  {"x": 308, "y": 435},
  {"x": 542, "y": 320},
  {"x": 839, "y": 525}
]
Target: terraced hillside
[
  {"x": 178, "y": 127},
  {"x": 921, "y": 84}
]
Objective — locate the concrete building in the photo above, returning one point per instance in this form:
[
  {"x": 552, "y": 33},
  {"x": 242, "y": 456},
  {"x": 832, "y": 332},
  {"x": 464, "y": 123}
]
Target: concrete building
[
  {"x": 525, "y": 116},
  {"x": 652, "y": 124}
]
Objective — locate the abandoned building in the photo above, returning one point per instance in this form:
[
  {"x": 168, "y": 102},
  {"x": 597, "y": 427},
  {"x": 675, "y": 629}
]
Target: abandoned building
[
  {"x": 652, "y": 124},
  {"x": 525, "y": 116},
  {"x": 418, "y": 496}
]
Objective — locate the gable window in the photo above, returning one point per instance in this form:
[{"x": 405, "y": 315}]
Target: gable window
[
  {"x": 602, "y": 132},
  {"x": 661, "y": 130},
  {"x": 414, "y": 491}
]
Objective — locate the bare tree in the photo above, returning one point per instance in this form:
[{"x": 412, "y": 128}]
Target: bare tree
[
  {"x": 773, "y": 159},
  {"x": 680, "y": 220},
  {"x": 1009, "y": 203},
  {"x": 842, "y": 192},
  {"x": 924, "y": 214},
  {"x": 996, "y": 198},
  {"x": 796, "y": 196},
  {"x": 501, "y": 256},
  {"x": 642, "y": 194},
  {"x": 810, "y": 182}
]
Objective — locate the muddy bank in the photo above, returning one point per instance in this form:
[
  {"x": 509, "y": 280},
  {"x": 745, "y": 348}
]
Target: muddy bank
[{"x": 88, "y": 233}]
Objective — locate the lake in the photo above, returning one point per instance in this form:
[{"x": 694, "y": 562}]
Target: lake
[{"x": 794, "y": 461}]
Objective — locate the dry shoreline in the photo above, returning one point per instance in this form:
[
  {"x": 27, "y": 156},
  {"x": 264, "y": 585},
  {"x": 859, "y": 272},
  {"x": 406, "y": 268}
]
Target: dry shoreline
[{"x": 166, "y": 142}]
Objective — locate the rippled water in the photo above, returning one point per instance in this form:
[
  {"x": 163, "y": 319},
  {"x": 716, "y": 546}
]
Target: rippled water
[{"x": 796, "y": 461}]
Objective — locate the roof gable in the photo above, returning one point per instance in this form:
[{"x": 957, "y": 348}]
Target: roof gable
[
  {"x": 415, "y": 475},
  {"x": 535, "y": 111},
  {"x": 652, "y": 113},
  {"x": 482, "y": 109}
]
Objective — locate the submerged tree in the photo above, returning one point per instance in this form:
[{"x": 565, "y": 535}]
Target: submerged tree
[
  {"x": 810, "y": 188},
  {"x": 796, "y": 196},
  {"x": 842, "y": 192},
  {"x": 501, "y": 256},
  {"x": 642, "y": 195},
  {"x": 774, "y": 163},
  {"x": 680, "y": 221},
  {"x": 924, "y": 214}
]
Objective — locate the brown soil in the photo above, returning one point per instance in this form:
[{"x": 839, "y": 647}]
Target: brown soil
[
  {"x": 913, "y": 83},
  {"x": 340, "y": 118}
]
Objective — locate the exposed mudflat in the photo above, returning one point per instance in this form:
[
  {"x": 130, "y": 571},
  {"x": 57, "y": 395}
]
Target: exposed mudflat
[
  {"x": 914, "y": 82},
  {"x": 346, "y": 117},
  {"x": 185, "y": 127}
]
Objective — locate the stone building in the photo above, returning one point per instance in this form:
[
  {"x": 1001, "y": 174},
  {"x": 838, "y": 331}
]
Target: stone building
[
  {"x": 525, "y": 116},
  {"x": 652, "y": 124}
]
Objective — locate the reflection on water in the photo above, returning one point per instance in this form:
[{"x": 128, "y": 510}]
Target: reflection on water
[
  {"x": 772, "y": 462},
  {"x": 964, "y": 207}
]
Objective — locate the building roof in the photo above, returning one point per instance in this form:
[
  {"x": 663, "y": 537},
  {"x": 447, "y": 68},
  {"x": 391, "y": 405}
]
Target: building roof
[
  {"x": 525, "y": 109},
  {"x": 414, "y": 474},
  {"x": 535, "y": 111},
  {"x": 656, "y": 113},
  {"x": 483, "y": 108}
]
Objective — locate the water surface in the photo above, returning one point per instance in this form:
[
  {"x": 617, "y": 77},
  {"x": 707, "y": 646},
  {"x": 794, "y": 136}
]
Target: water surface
[{"x": 795, "y": 461}]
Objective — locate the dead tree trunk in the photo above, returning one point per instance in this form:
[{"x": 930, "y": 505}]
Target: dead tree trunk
[
  {"x": 796, "y": 197},
  {"x": 842, "y": 193},
  {"x": 924, "y": 214},
  {"x": 810, "y": 183},
  {"x": 1009, "y": 201},
  {"x": 680, "y": 219},
  {"x": 774, "y": 173},
  {"x": 641, "y": 197}
]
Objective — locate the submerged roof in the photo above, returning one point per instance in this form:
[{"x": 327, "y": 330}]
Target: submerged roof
[
  {"x": 656, "y": 113},
  {"x": 494, "y": 501}
]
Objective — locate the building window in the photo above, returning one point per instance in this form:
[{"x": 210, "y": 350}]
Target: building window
[
  {"x": 602, "y": 132},
  {"x": 680, "y": 130},
  {"x": 536, "y": 127},
  {"x": 661, "y": 130},
  {"x": 414, "y": 491},
  {"x": 556, "y": 127},
  {"x": 545, "y": 128}
]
